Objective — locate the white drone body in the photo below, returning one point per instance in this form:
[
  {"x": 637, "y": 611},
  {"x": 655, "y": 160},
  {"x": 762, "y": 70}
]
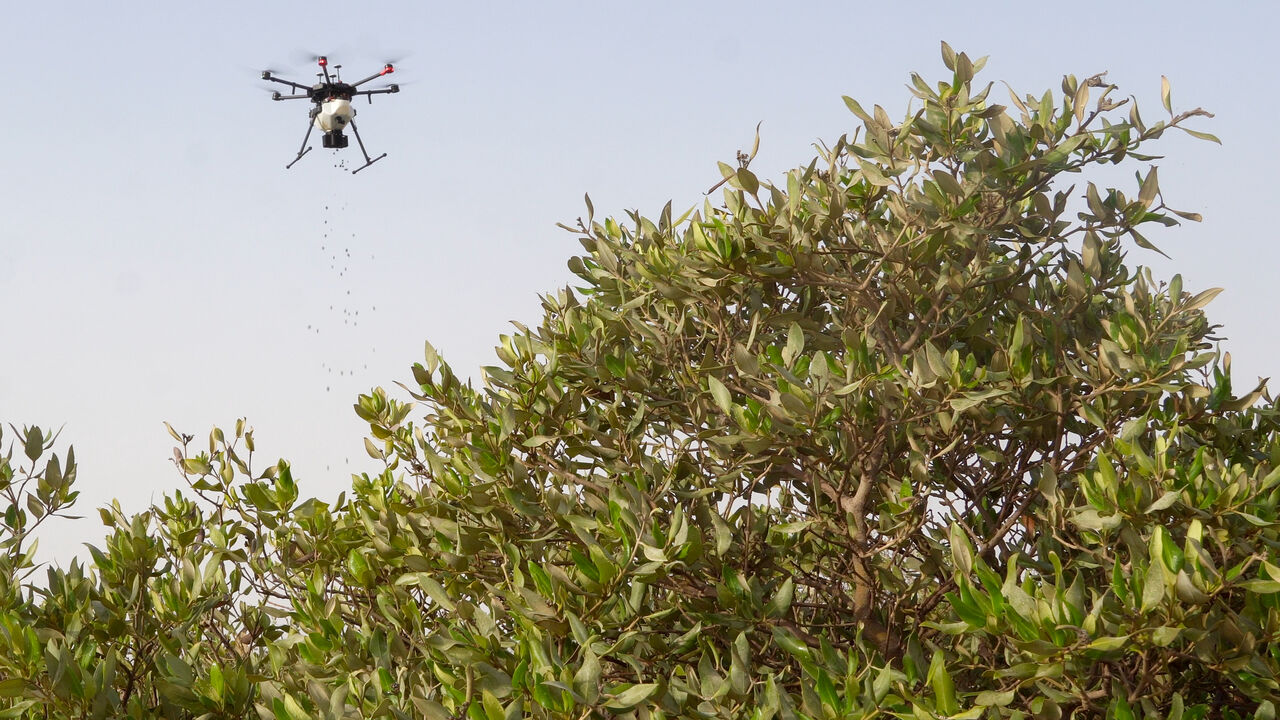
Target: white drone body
[{"x": 335, "y": 114}]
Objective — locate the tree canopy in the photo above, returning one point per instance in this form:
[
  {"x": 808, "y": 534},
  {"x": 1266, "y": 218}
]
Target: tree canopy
[{"x": 902, "y": 434}]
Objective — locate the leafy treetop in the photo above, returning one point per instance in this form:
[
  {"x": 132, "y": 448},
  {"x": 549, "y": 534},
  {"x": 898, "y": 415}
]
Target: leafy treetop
[{"x": 899, "y": 435}]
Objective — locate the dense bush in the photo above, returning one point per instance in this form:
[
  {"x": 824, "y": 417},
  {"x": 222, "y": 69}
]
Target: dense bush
[{"x": 902, "y": 435}]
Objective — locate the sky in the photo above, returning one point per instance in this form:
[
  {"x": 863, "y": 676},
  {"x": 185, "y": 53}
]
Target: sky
[{"x": 159, "y": 263}]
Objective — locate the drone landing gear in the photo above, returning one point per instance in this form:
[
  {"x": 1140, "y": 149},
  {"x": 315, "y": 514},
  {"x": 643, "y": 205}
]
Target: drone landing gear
[
  {"x": 335, "y": 139},
  {"x": 304, "y": 149},
  {"x": 367, "y": 160}
]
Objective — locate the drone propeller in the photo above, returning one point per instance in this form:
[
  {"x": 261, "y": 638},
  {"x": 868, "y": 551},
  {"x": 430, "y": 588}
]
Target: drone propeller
[
  {"x": 275, "y": 94},
  {"x": 395, "y": 58},
  {"x": 306, "y": 57}
]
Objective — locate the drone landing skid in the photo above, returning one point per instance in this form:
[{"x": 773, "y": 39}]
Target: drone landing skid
[
  {"x": 302, "y": 149},
  {"x": 295, "y": 160},
  {"x": 367, "y": 160},
  {"x": 353, "y": 172}
]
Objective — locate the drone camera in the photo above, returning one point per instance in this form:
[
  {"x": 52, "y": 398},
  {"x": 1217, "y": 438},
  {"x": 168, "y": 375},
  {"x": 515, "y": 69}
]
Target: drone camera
[{"x": 334, "y": 139}]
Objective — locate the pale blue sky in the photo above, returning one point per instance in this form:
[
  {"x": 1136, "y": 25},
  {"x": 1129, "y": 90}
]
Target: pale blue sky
[{"x": 157, "y": 262}]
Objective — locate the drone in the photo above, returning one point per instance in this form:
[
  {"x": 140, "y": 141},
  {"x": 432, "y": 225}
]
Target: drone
[{"x": 332, "y": 112}]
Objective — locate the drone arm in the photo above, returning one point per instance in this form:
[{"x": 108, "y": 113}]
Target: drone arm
[
  {"x": 370, "y": 93},
  {"x": 266, "y": 75},
  {"x": 385, "y": 71},
  {"x": 278, "y": 96},
  {"x": 379, "y": 91},
  {"x": 367, "y": 160}
]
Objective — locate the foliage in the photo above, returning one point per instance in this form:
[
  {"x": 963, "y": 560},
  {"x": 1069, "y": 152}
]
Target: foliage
[{"x": 902, "y": 435}]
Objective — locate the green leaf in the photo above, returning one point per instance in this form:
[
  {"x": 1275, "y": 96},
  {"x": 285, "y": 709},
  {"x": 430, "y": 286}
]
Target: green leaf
[
  {"x": 33, "y": 445},
  {"x": 780, "y": 603},
  {"x": 988, "y": 698},
  {"x": 856, "y": 109},
  {"x": 1064, "y": 149},
  {"x": 944, "y": 690},
  {"x": 1153, "y": 588},
  {"x": 1108, "y": 644},
  {"x": 1202, "y": 299},
  {"x": 872, "y": 173},
  {"x": 1150, "y": 187},
  {"x": 948, "y": 56},
  {"x": 586, "y": 682},
  {"x": 1200, "y": 135},
  {"x": 13, "y": 687},
  {"x": 972, "y": 399},
  {"x": 1261, "y": 587},
  {"x": 294, "y": 709},
  {"x": 492, "y": 708},
  {"x": 789, "y": 642},
  {"x": 217, "y": 684},
  {"x": 720, "y": 394},
  {"x": 948, "y": 183},
  {"x": 1165, "y": 95},
  {"x": 1164, "y": 635},
  {"x": 633, "y": 696},
  {"x": 1164, "y": 502},
  {"x": 740, "y": 665},
  {"x": 1120, "y": 709},
  {"x": 880, "y": 686},
  {"x": 961, "y": 551},
  {"x": 795, "y": 343}
]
